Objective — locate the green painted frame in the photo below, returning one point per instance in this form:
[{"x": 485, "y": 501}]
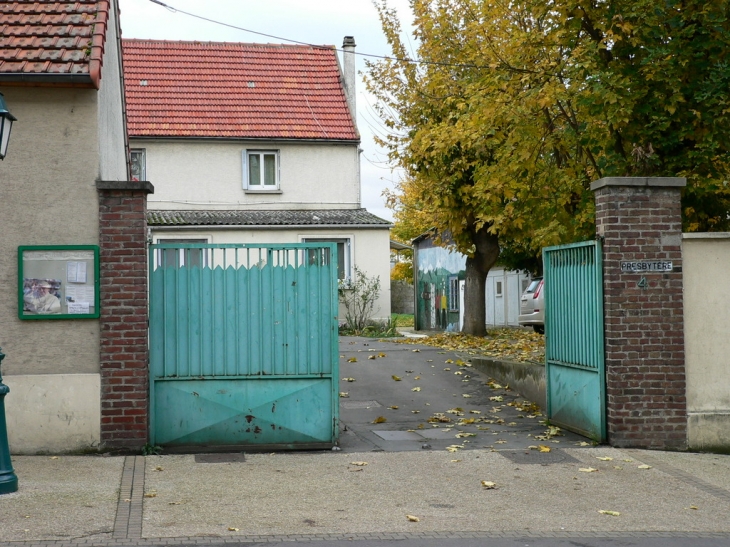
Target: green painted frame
[{"x": 61, "y": 270}]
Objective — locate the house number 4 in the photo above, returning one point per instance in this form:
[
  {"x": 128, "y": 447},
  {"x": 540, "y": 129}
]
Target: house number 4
[{"x": 642, "y": 283}]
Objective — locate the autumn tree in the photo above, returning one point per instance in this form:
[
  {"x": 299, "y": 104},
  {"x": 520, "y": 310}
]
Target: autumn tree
[{"x": 515, "y": 107}]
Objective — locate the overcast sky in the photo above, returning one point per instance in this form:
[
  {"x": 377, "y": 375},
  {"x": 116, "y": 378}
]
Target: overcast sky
[{"x": 311, "y": 21}]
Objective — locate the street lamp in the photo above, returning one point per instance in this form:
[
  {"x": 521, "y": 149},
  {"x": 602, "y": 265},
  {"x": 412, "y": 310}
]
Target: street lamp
[
  {"x": 8, "y": 479},
  {"x": 6, "y": 123}
]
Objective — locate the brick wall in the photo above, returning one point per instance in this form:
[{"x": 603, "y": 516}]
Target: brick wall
[
  {"x": 640, "y": 221},
  {"x": 124, "y": 357}
]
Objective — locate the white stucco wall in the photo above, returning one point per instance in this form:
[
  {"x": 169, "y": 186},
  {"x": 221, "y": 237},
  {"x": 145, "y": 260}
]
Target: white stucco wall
[
  {"x": 370, "y": 249},
  {"x": 112, "y": 152},
  {"x": 208, "y": 175},
  {"x": 706, "y": 262},
  {"x": 53, "y": 412},
  {"x": 49, "y": 197}
]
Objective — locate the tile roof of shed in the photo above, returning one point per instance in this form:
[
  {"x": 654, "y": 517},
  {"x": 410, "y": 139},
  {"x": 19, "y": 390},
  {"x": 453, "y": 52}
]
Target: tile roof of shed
[
  {"x": 53, "y": 41},
  {"x": 235, "y": 90},
  {"x": 314, "y": 218}
]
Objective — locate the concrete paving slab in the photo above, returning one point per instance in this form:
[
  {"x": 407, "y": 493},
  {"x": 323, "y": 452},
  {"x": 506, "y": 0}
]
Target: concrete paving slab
[{"x": 61, "y": 497}]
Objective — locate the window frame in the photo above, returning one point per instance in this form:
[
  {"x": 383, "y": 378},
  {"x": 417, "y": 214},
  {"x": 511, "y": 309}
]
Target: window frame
[
  {"x": 261, "y": 152},
  {"x": 347, "y": 241},
  {"x": 453, "y": 299},
  {"x": 143, "y": 153},
  {"x": 181, "y": 259}
]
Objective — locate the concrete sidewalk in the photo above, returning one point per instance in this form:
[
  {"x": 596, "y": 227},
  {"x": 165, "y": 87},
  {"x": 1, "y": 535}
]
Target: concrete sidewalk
[{"x": 381, "y": 475}]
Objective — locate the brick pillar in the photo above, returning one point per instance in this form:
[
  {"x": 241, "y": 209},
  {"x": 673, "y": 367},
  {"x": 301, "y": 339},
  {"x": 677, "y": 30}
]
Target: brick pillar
[
  {"x": 124, "y": 354},
  {"x": 639, "y": 220}
]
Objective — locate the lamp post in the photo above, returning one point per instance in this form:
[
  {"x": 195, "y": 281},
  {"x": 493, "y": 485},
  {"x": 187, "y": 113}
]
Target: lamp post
[
  {"x": 6, "y": 124},
  {"x": 8, "y": 478}
]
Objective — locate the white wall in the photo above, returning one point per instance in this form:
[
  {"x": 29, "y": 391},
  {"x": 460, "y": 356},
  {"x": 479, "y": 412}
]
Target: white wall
[
  {"x": 369, "y": 249},
  {"x": 706, "y": 263},
  {"x": 208, "y": 175},
  {"x": 112, "y": 138},
  {"x": 503, "y": 310}
]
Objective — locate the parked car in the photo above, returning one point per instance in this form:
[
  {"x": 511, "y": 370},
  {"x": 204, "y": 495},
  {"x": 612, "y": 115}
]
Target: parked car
[{"x": 532, "y": 306}]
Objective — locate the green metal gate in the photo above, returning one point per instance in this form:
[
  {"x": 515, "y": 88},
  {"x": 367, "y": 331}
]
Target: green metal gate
[
  {"x": 243, "y": 345},
  {"x": 574, "y": 356}
]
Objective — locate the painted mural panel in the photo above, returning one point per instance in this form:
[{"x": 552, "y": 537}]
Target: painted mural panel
[{"x": 438, "y": 273}]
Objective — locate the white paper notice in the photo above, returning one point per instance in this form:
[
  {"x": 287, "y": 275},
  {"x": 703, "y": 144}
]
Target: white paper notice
[
  {"x": 77, "y": 294},
  {"x": 76, "y": 272},
  {"x": 78, "y": 307}
]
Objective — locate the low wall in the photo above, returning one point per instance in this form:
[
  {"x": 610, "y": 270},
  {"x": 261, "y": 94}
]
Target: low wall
[
  {"x": 401, "y": 297},
  {"x": 527, "y": 379}
]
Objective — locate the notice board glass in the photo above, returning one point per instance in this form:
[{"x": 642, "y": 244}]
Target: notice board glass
[{"x": 58, "y": 282}]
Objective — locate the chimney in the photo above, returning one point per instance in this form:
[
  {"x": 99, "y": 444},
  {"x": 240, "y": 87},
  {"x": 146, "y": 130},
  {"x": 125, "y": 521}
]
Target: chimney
[{"x": 348, "y": 60}]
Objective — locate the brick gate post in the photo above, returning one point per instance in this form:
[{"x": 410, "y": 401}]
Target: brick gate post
[
  {"x": 123, "y": 258},
  {"x": 640, "y": 222}
]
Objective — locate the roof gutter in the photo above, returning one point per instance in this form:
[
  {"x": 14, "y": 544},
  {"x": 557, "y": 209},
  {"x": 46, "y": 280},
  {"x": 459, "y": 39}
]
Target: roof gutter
[
  {"x": 272, "y": 140},
  {"x": 269, "y": 226},
  {"x": 60, "y": 80}
]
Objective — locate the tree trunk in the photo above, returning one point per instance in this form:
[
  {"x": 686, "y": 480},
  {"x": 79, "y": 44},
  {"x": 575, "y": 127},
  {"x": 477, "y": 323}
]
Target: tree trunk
[{"x": 477, "y": 267}]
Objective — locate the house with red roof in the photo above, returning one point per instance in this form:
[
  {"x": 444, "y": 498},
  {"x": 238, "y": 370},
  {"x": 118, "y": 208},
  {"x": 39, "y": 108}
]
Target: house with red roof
[
  {"x": 65, "y": 213},
  {"x": 252, "y": 143}
]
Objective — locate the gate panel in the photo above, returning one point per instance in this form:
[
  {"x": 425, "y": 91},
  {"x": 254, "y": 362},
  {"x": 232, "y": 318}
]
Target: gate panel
[
  {"x": 243, "y": 344},
  {"x": 574, "y": 352}
]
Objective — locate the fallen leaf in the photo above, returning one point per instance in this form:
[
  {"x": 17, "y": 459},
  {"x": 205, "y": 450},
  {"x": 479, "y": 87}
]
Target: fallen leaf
[
  {"x": 344, "y": 394},
  {"x": 412, "y": 518},
  {"x": 693, "y": 507},
  {"x": 416, "y": 350},
  {"x": 415, "y": 411},
  {"x": 380, "y": 420},
  {"x": 348, "y": 379},
  {"x": 175, "y": 503},
  {"x": 475, "y": 412},
  {"x": 359, "y": 464},
  {"x": 429, "y": 360},
  {"x": 488, "y": 485},
  {"x": 372, "y": 357},
  {"x": 381, "y": 354},
  {"x": 416, "y": 389},
  {"x": 500, "y": 441},
  {"x": 416, "y": 377},
  {"x": 393, "y": 407},
  {"x": 458, "y": 372},
  {"x": 159, "y": 468},
  {"x": 232, "y": 529},
  {"x": 455, "y": 461},
  {"x": 587, "y": 470},
  {"x": 54, "y": 457},
  {"x": 463, "y": 435},
  {"x": 352, "y": 360},
  {"x": 644, "y": 466},
  {"x": 612, "y": 513},
  {"x": 543, "y": 448},
  {"x": 497, "y": 398},
  {"x": 604, "y": 458},
  {"x": 449, "y": 361},
  {"x": 466, "y": 396},
  {"x": 150, "y": 495},
  {"x": 396, "y": 378},
  {"x": 447, "y": 369},
  {"x": 583, "y": 443}
]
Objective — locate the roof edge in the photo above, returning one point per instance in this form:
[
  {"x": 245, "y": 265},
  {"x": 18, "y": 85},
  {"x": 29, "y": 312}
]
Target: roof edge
[
  {"x": 35, "y": 78},
  {"x": 270, "y": 139},
  {"x": 319, "y": 227}
]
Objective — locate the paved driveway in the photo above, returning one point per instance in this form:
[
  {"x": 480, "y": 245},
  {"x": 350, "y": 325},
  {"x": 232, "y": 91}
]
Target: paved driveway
[{"x": 465, "y": 409}]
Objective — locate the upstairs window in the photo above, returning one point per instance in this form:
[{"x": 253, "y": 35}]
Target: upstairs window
[
  {"x": 344, "y": 274},
  {"x": 261, "y": 170},
  {"x": 138, "y": 164}
]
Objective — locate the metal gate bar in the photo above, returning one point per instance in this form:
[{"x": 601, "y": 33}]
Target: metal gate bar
[
  {"x": 574, "y": 347},
  {"x": 243, "y": 344}
]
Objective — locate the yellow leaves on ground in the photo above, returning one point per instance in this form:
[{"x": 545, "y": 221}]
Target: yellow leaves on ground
[
  {"x": 380, "y": 420},
  {"x": 489, "y": 485},
  {"x": 543, "y": 448},
  {"x": 396, "y": 378},
  {"x": 348, "y": 379},
  {"x": 393, "y": 407},
  {"x": 497, "y": 399},
  {"x": 645, "y": 466},
  {"x": 611, "y": 513},
  {"x": 416, "y": 389},
  {"x": 352, "y": 360},
  {"x": 151, "y": 494},
  {"x": 412, "y": 518},
  {"x": 359, "y": 464},
  {"x": 232, "y": 529},
  {"x": 505, "y": 343},
  {"x": 604, "y": 458},
  {"x": 587, "y": 469},
  {"x": 372, "y": 356},
  {"x": 344, "y": 394}
]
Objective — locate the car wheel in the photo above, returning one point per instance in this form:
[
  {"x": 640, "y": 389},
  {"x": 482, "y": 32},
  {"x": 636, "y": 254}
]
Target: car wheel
[{"x": 539, "y": 329}]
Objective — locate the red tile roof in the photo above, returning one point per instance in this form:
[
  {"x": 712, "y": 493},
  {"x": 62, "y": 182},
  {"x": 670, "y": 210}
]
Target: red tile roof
[
  {"x": 234, "y": 90},
  {"x": 53, "y": 41}
]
